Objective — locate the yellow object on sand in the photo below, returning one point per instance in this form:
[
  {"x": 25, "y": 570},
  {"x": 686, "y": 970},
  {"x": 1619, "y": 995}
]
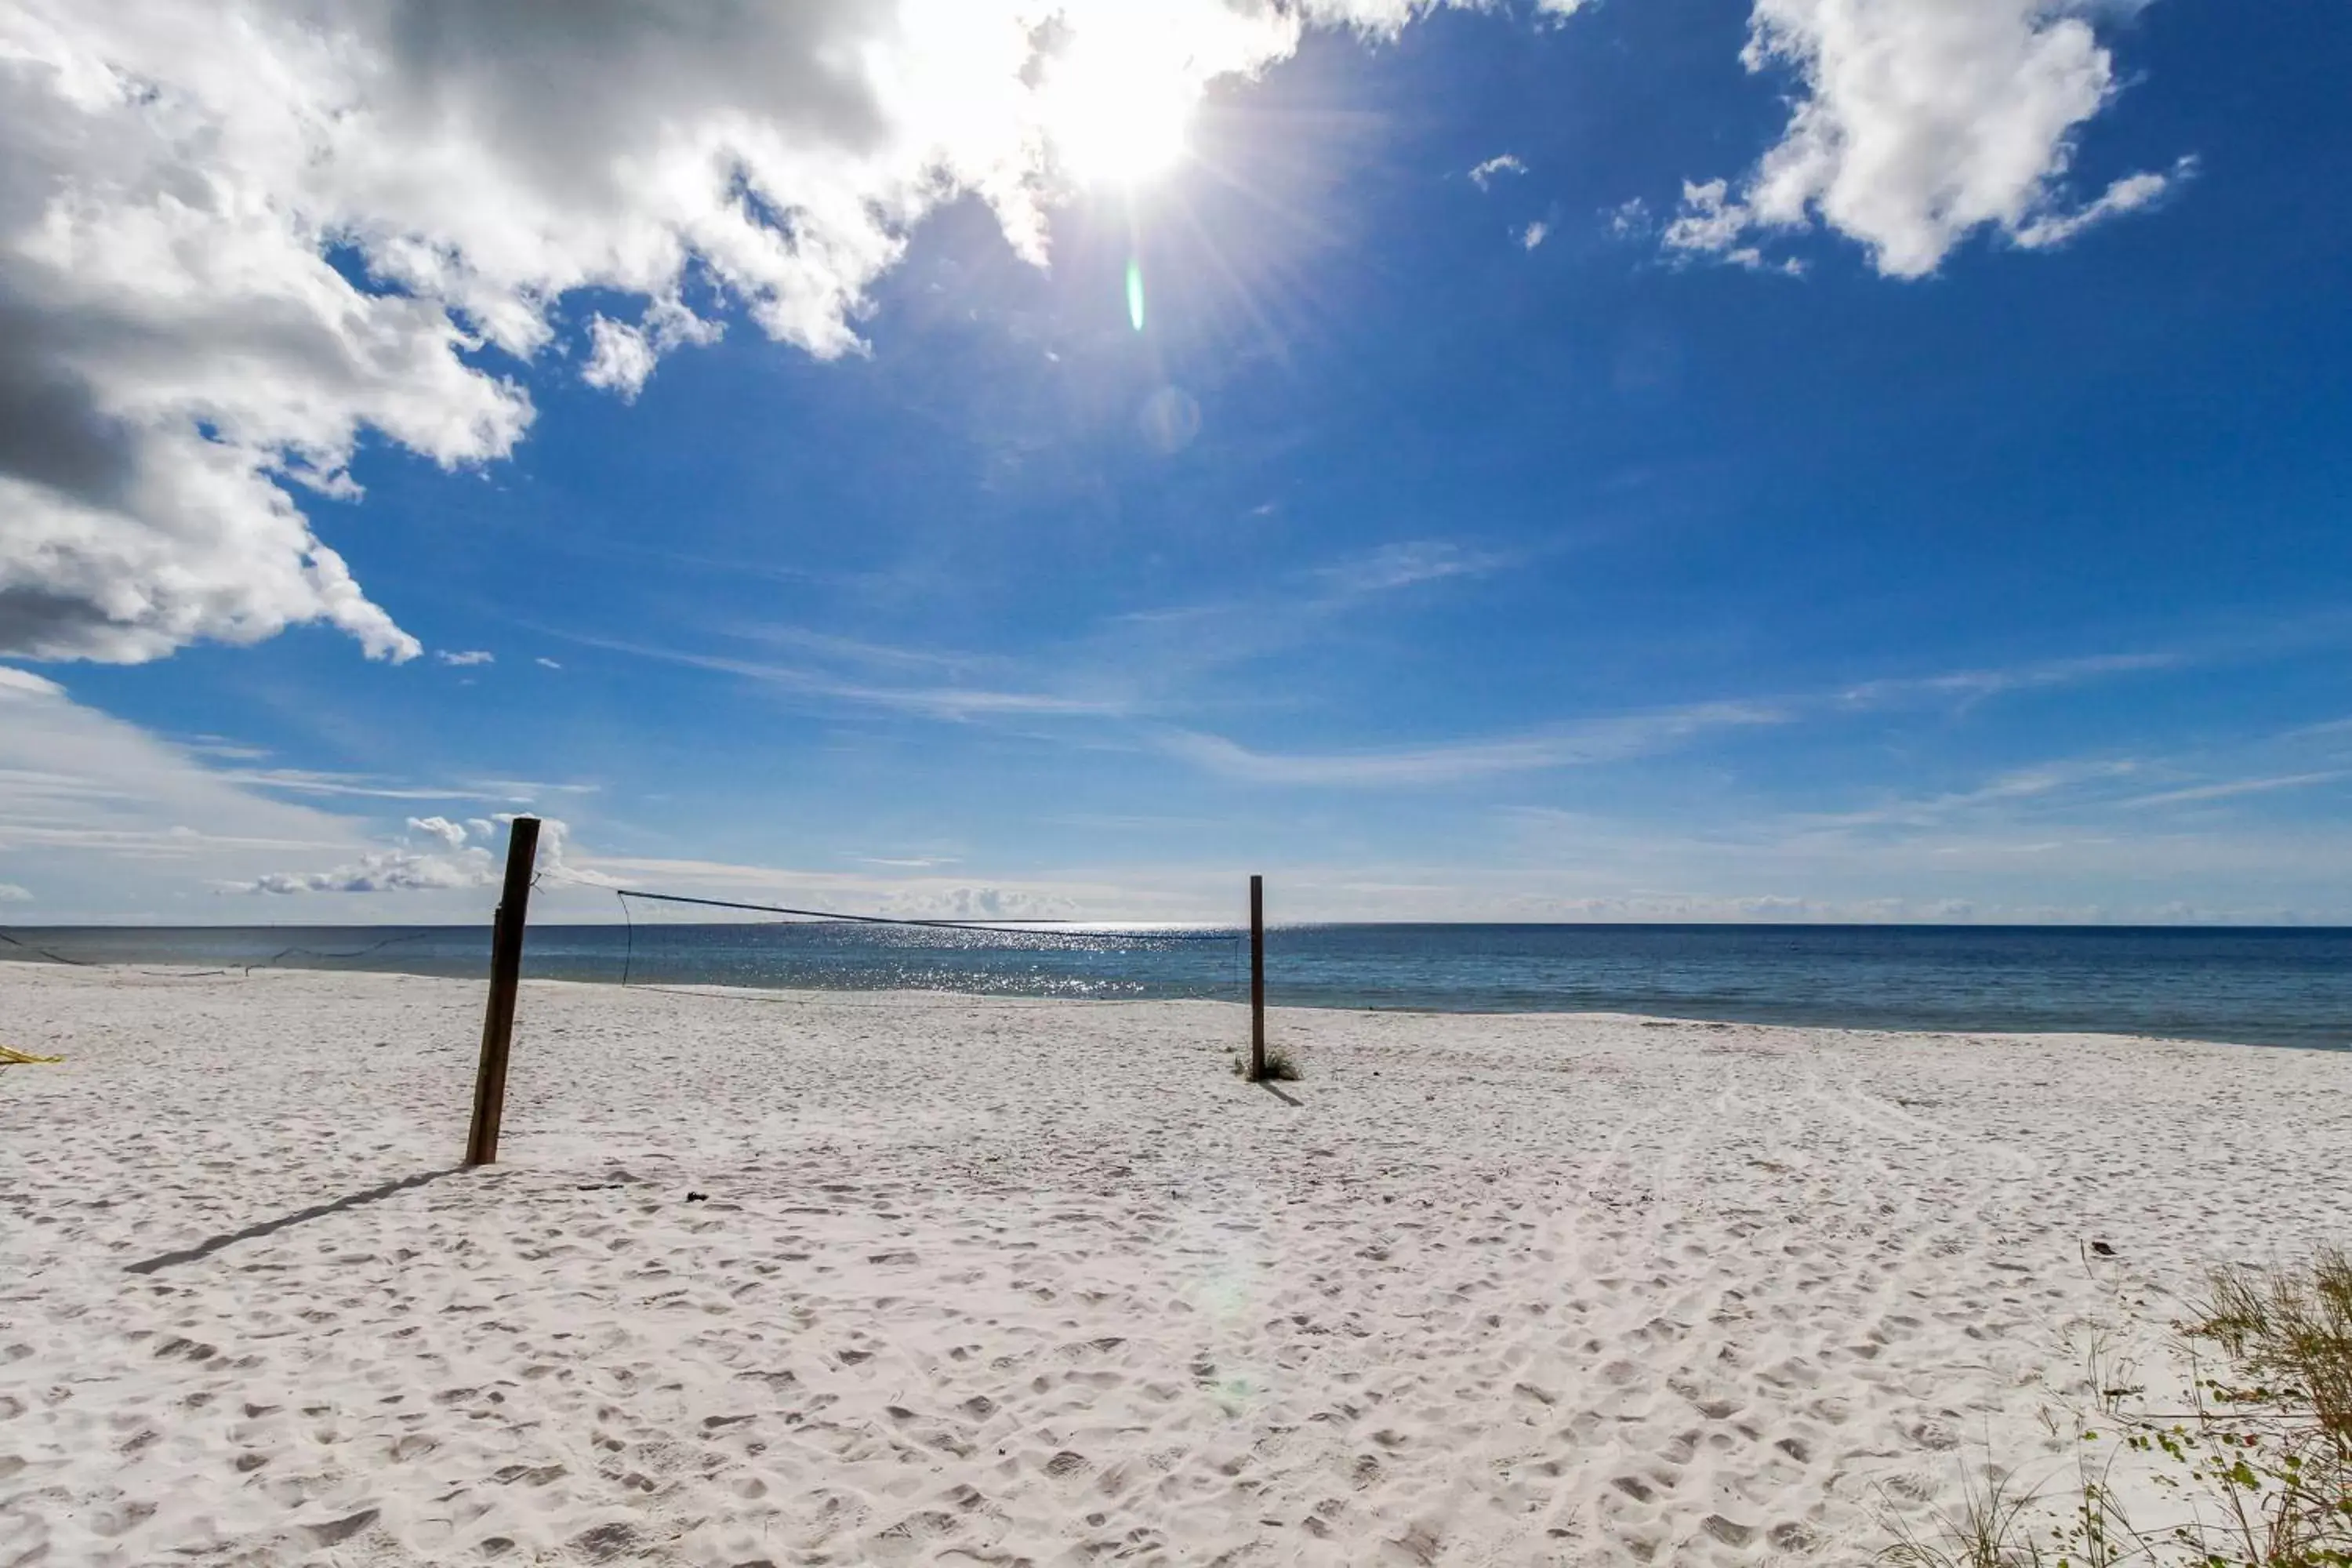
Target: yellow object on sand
[{"x": 14, "y": 1057}]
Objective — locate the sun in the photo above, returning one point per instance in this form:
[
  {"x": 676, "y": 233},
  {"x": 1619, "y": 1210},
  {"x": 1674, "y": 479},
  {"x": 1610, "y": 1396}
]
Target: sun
[{"x": 1118, "y": 104}]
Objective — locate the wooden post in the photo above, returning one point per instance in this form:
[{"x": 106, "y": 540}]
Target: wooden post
[
  {"x": 1258, "y": 979},
  {"x": 505, "y": 978}
]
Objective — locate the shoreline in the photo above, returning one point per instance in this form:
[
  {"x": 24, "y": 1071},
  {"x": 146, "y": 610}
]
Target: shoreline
[
  {"x": 1692, "y": 1019},
  {"x": 971, "y": 1280}
]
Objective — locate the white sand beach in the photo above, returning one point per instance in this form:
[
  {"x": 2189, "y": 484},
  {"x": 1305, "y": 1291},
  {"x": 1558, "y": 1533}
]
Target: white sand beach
[{"x": 990, "y": 1282}]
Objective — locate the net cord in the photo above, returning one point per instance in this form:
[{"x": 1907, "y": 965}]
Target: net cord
[
  {"x": 999, "y": 928},
  {"x": 45, "y": 952},
  {"x": 274, "y": 959}
]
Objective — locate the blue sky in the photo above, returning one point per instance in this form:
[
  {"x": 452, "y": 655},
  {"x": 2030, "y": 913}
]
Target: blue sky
[{"x": 1941, "y": 519}]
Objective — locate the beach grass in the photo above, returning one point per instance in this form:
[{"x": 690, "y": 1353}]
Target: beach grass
[
  {"x": 1281, "y": 1066},
  {"x": 2253, "y": 1471},
  {"x": 1993, "y": 1527}
]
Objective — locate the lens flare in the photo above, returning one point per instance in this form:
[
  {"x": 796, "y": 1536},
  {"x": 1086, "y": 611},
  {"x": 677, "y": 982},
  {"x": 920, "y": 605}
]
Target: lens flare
[{"x": 1135, "y": 294}]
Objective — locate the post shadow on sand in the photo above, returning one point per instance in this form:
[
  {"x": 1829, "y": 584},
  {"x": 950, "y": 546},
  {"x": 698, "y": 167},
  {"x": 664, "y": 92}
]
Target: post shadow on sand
[
  {"x": 211, "y": 1244},
  {"x": 1275, "y": 1089}
]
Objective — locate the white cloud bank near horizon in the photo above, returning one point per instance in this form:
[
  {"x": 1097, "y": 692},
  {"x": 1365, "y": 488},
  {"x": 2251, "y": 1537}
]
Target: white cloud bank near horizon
[
  {"x": 98, "y": 818},
  {"x": 235, "y": 236},
  {"x": 1918, "y": 123},
  {"x": 466, "y": 859},
  {"x": 103, "y": 822}
]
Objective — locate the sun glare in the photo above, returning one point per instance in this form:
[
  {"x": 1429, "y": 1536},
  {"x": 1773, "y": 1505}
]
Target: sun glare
[{"x": 1118, "y": 104}]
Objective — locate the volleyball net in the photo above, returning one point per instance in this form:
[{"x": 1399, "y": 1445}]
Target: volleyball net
[
  {"x": 673, "y": 940},
  {"x": 638, "y": 937},
  {"x": 694, "y": 938},
  {"x": 199, "y": 953}
]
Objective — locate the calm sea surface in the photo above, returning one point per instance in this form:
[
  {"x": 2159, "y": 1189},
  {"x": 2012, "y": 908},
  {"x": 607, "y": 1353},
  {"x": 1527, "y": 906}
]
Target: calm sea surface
[{"x": 2285, "y": 987}]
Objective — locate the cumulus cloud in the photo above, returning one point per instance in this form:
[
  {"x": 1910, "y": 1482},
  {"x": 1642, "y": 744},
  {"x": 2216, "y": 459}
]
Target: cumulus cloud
[
  {"x": 1709, "y": 219},
  {"x": 1629, "y": 219},
  {"x": 452, "y": 835},
  {"x": 1919, "y": 122},
  {"x": 236, "y": 234},
  {"x": 555, "y": 853},
  {"x": 1534, "y": 234},
  {"x": 981, "y": 903},
  {"x": 621, "y": 356},
  {"x": 2129, "y": 194},
  {"x": 390, "y": 871},
  {"x": 467, "y": 658},
  {"x": 457, "y": 864}
]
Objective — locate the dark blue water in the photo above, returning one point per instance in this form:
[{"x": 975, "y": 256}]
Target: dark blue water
[{"x": 2285, "y": 987}]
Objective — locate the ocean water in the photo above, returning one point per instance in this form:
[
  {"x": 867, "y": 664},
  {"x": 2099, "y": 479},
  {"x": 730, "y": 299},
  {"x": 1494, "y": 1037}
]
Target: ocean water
[{"x": 2283, "y": 987}]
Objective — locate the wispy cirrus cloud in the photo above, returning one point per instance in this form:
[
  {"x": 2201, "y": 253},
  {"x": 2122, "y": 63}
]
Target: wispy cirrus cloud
[
  {"x": 1137, "y": 663},
  {"x": 2231, "y": 789},
  {"x": 220, "y": 748},
  {"x": 2045, "y": 783},
  {"x": 524, "y": 791},
  {"x": 369, "y": 787},
  {"x": 1131, "y": 666},
  {"x": 1620, "y": 738},
  {"x": 376, "y": 786},
  {"x": 1971, "y": 684},
  {"x": 866, "y": 652},
  {"x": 946, "y": 702},
  {"x": 2094, "y": 809},
  {"x": 108, "y": 821},
  {"x": 1404, "y": 563},
  {"x": 1607, "y": 740},
  {"x": 2060, "y": 839},
  {"x": 104, "y": 818},
  {"x": 1164, "y": 655},
  {"x": 2045, "y": 856},
  {"x": 1484, "y": 175}
]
